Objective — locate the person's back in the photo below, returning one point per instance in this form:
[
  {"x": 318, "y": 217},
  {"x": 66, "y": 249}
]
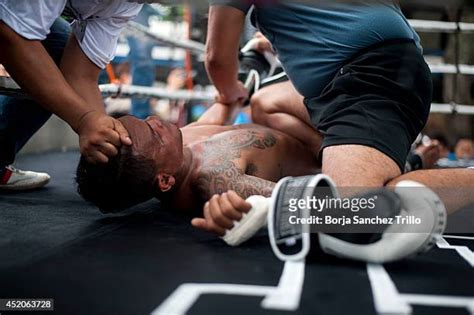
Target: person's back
[{"x": 315, "y": 41}]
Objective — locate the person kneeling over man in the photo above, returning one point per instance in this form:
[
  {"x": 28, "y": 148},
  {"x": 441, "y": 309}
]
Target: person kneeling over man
[{"x": 215, "y": 168}]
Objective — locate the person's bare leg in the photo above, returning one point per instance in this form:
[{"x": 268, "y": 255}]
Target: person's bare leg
[
  {"x": 455, "y": 187},
  {"x": 357, "y": 168},
  {"x": 281, "y": 107}
]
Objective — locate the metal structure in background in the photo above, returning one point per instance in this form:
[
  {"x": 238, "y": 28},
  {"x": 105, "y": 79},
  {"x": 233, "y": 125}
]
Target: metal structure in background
[
  {"x": 139, "y": 30},
  {"x": 115, "y": 90},
  {"x": 442, "y": 27},
  {"x": 9, "y": 87}
]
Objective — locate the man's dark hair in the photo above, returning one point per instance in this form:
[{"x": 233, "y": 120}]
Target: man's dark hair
[{"x": 126, "y": 180}]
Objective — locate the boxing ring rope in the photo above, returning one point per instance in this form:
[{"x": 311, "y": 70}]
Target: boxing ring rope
[
  {"x": 136, "y": 29},
  {"x": 451, "y": 69},
  {"x": 9, "y": 87},
  {"x": 441, "y": 27},
  {"x": 452, "y": 108},
  {"x": 114, "y": 90}
]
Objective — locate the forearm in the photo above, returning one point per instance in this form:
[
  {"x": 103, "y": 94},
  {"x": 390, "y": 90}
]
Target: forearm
[
  {"x": 82, "y": 75},
  {"x": 223, "y": 73},
  {"x": 251, "y": 185},
  {"x": 221, "y": 180},
  {"x": 217, "y": 114},
  {"x": 222, "y": 47},
  {"x": 453, "y": 186},
  {"x": 32, "y": 68},
  {"x": 225, "y": 199},
  {"x": 89, "y": 91}
]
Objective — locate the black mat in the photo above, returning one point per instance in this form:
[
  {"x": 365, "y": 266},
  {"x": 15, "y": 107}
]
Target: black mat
[{"x": 53, "y": 245}]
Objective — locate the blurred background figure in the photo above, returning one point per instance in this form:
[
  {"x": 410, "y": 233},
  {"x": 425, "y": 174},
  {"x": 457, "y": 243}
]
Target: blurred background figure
[
  {"x": 425, "y": 154},
  {"x": 429, "y": 154},
  {"x": 176, "y": 79},
  {"x": 464, "y": 149},
  {"x": 141, "y": 62},
  {"x": 444, "y": 147}
]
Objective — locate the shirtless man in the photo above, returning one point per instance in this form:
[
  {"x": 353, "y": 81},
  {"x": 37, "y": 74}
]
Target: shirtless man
[
  {"x": 215, "y": 168},
  {"x": 224, "y": 165},
  {"x": 185, "y": 167}
]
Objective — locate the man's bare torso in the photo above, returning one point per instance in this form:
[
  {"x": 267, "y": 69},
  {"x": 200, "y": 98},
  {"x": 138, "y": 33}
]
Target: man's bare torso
[{"x": 236, "y": 158}]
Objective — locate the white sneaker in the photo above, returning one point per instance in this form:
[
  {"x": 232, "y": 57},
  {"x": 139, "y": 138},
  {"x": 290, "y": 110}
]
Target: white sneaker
[{"x": 13, "y": 179}]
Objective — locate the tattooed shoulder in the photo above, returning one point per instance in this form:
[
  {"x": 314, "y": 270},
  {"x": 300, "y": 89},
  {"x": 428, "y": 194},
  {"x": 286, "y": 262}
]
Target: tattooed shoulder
[{"x": 229, "y": 146}]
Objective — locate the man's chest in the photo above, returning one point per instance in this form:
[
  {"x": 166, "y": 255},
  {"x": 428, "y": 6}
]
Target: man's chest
[{"x": 241, "y": 152}]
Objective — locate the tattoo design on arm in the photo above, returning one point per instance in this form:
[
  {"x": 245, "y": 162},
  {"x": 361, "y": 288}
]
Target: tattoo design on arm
[
  {"x": 218, "y": 181},
  {"x": 220, "y": 172}
]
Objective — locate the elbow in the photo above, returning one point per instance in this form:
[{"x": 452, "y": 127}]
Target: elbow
[{"x": 216, "y": 62}]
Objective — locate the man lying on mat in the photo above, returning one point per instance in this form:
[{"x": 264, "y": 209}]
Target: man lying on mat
[
  {"x": 185, "y": 167},
  {"x": 215, "y": 168}
]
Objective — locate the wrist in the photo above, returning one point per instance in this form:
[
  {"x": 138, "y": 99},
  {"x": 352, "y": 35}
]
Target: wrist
[
  {"x": 82, "y": 119},
  {"x": 230, "y": 92}
]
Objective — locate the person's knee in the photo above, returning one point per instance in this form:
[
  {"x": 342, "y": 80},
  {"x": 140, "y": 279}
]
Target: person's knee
[
  {"x": 263, "y": 105},
  {"x": 358, "y": 166}
]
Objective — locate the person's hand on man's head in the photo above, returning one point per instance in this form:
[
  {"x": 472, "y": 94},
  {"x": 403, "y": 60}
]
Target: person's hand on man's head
[{"x": 101, "y": 136}]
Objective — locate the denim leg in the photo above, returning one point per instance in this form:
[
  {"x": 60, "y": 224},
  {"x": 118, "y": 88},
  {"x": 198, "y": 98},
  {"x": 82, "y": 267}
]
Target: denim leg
[
  {"x": 143, "y": 73},
  {"x": 20, "y": 118}
]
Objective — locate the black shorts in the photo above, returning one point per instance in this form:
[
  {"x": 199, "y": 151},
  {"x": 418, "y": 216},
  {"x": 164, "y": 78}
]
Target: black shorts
[{"x": 381, "y": 98}]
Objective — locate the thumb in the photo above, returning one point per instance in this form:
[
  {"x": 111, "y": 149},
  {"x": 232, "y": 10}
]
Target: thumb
[
  {"x": 123, "y": 133},
  {"x": 199, "y": 223}
]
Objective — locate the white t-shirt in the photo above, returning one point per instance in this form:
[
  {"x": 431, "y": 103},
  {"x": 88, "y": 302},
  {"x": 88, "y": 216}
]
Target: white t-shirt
[{"x": 97, "y": 26}]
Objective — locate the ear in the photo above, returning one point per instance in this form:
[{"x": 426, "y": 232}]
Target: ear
[{"x": 165, "y": 181}]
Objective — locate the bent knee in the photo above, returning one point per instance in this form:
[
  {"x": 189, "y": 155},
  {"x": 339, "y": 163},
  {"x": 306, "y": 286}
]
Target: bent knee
[{"x": 262, "y": 105}]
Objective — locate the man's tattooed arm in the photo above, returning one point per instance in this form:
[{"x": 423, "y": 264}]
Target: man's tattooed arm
[
  {"x": 221, "y": 179},
  {"x": 220, "y": 173}
]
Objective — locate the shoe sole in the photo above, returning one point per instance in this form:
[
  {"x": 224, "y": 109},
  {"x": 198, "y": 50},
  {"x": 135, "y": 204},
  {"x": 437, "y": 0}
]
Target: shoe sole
[{"x": 26, "y": 187}]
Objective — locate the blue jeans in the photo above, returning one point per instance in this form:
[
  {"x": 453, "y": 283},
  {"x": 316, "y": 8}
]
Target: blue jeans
[
  {"x": 20, "y": 118},
  {"x": 143, "y": 73}
]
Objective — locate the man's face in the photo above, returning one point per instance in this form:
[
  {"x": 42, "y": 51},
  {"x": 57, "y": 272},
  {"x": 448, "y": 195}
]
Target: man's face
[
  {"x": 464, "y": 149},
  {"x": 157, "y": 140}
]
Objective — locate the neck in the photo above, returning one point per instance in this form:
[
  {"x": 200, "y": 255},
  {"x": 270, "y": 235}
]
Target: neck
[{"x": 183, "y": 174}]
